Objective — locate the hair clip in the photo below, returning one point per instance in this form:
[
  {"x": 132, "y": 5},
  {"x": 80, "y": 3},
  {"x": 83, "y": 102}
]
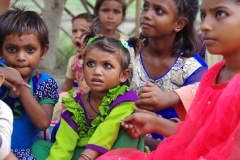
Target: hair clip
[
  {"x": 91, "y": 40},
  {"x": 124, "y": 44}
]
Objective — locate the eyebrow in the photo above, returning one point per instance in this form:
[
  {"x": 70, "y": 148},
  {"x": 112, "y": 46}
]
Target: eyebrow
[
  {"x": 156, "y": 5},
  {"x": 216, "y": 8}
]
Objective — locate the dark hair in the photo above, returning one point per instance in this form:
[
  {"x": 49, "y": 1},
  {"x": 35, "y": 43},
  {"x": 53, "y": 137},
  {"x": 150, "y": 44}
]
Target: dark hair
[
  {"x": 20, "y": 21},
  {"x": 110, "y": 44},
  {"x": 87, "y": 16},
  {"x": 100, "y": 2},
  {"x": 186, "y": 38}
]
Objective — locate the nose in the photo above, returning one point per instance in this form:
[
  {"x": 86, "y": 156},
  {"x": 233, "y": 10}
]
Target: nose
[
  {"x": 21, "y": 56},
  {"x": 146, "y": 14},
  {"x": 110, "y": 15},
  {"x": 206, "y": 24},
  {"x": 97, "y": 71}
]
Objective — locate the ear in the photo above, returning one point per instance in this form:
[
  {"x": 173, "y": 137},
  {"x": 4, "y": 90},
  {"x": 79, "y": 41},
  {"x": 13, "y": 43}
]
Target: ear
[
  {"x": 180, "y": 24},
  {"x": 124, "y": 75},
  {"x": 45, "y": 52}
]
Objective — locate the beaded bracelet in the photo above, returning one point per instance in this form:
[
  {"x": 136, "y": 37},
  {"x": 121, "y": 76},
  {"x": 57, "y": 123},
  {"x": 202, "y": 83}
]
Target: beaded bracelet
[{"x": 84, "y": 154}]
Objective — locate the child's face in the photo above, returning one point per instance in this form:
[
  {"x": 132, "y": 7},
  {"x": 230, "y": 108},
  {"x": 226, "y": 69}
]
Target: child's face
[
  {"x": 220, "y": 26},
  {"x": 23, "y": 53},
  {"x": 78, "y": 27},
  {"x": 102, "y": 71},
  {"x": 111, "y": 15},
  {"x": 158, "y": 18}
]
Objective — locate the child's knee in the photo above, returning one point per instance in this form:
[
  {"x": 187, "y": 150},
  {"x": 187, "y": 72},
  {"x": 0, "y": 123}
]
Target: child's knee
[{"x": 41, "y": 149}]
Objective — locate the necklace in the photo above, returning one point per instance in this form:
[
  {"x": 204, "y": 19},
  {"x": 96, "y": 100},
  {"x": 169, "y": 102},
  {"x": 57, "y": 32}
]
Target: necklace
[{"x": 89, "y": 101}]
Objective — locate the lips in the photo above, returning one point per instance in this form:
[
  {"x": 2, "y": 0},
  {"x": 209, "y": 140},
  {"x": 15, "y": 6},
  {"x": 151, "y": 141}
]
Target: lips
[
  {"x": 146, "y": 25},
  {"x": 208, "y": 40},
  {"x": 78, "y": 46},
  {"x": 96, "y": 81}
]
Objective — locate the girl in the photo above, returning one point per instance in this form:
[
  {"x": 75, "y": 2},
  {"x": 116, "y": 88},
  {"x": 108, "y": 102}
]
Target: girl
[
  {"x": 211, "y": 130},
  {"x": 74, "y": 67},
  {"x": 168, "y": 58},
  {"x": 23, "y": 44},
  {"x": 111, "y": 13},
  {"x": 90, "y": 126}
]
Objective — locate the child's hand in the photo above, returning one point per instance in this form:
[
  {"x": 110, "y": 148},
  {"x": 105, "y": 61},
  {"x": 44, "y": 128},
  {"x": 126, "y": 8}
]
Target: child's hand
[
  {"x": 136, "y": 125},
  {"x": 152, "y": 98},
  {"x": 13, "y": 79}
]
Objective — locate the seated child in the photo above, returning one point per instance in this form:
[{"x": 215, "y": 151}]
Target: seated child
[
  {"x": 90, "y": 126},
  {"x": 24, "y": 43},
  {"x": 74, "y": 67}
]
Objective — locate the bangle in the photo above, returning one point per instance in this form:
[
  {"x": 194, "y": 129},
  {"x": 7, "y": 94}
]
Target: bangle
[
  {"x": 84, "y": 154},
  {"x": 83, "y": 157}
]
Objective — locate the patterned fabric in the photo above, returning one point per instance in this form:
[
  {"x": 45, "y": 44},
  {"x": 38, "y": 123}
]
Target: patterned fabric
[
  {"x": 183, "y": 72},
  {"x": 46, "y": 91},
  {"x": 23, "y": 154},
  {"x": 174, "y": 78}
]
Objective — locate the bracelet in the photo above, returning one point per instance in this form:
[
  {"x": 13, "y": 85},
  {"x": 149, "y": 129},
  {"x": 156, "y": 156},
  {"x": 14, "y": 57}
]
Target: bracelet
[
  {"x": 83, "y": 157},
  {"x": 84, "y": 154}
]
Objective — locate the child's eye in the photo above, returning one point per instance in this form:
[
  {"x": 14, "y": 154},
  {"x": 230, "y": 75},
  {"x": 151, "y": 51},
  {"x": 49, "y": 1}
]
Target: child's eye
[
  {"x": 90, "y": 64},
  {"x": 30, "y": 50},
  {"x": 159, "y": 11},
  {"x": 11, "y": 49},
  {"x": 105, "y": 10},
  {"x": 145, "y": 7},
  {"x": 116, "y": 11},
  {"x": 221, "y": 14},
  {"x": 74, "y": 31},
  {"x": 203, "y": 15},
  {"x": 108, "y": 66}
]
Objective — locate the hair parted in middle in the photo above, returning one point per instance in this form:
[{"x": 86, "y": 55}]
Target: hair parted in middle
[{"x": 109, "y": 44}]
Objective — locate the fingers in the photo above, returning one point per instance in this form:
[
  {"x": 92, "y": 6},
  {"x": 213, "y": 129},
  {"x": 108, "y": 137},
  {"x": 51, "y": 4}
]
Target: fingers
[
  {"x": 9, "y": 85},
  {"x": 130, "y": 129},
  {"x": 24, "y": 84},
  {"x": 13, "y": 87}
]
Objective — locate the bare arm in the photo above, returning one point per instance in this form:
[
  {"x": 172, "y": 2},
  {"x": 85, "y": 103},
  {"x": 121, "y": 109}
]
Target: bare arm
[
  {"x": 138, "y": 126},
  {"x": 40, "y": 115},
  {"x": 67, "y": 85}
]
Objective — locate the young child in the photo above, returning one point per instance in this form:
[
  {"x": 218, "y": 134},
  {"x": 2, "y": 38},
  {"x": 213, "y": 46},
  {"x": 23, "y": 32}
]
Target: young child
[
  {"x": 211, "y": 130},
  {"x": 74, "y": 67},
  {"x": 23, "y": 44},
  {"x": 169, "y": 58},
  {"x": 111, "y": 14},
  {"x": 90, "y": 126}
]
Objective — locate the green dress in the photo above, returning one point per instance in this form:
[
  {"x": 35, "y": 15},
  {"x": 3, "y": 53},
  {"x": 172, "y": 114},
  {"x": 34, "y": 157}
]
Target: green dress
[{"x": 103, "y": 133}]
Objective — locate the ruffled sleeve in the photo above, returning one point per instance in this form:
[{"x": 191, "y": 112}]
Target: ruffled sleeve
[{"x": 78, "y": 116}]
